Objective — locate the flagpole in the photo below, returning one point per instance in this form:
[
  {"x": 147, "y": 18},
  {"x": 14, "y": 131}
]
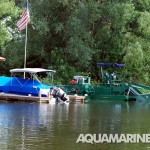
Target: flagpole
[
  {"x": 22, "y": 24},
  {"x": 26, "y": 38},
  {"x": 25, "y": 51}
]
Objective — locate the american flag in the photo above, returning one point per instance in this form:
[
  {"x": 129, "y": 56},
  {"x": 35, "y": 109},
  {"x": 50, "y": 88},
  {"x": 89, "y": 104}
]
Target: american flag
[{"x": 25, "y": 19}]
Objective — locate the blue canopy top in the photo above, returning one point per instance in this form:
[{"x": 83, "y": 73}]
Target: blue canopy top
[{"x": 110, "y": 64}]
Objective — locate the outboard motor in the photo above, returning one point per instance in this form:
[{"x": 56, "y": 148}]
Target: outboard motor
[{"x": 59, "y": 94}]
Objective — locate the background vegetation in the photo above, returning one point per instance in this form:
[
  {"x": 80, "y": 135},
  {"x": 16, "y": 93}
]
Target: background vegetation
[{"x": 71, "y": 36}]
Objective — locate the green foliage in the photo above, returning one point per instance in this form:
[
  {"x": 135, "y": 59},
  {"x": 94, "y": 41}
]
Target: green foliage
[
  {"x": 142, "y": 5},
  {"x": 5, "y": 36},
  {"x": 8, "y": 11},
  {"x": 144, "y": 91},
  {"x": 134, "y": 60},
  {"x": 144, "y": 24},
  {"x": 72, "y": 36}
]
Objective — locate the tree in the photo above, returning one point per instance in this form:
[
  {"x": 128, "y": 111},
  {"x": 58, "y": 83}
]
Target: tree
[
  {"x": 72, "y": 36},
  {"x": 110, "y": 31},
  {"x": 138, "y": 47},
  {"x": 8, "y": 11}
]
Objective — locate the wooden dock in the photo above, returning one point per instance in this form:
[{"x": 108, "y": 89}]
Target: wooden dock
[
  {"x": 76, "y": 98},
  {"x": 29, "y": 98}
]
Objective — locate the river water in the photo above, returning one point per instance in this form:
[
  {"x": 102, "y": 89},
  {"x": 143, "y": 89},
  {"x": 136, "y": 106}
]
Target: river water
[{"x": 33, "y": 126}]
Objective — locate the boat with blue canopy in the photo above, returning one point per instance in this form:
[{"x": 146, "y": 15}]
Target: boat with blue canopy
[{"x": 31, "y": 85}]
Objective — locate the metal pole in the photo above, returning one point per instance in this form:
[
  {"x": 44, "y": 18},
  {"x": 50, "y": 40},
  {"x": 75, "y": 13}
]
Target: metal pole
[
  {"x": 101, "y": 72},
  {"x": 26, "y": 38},
  {"x": 25, "y": 51}
]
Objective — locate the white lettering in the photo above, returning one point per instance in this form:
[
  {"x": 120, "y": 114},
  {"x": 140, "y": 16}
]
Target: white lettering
[
  {"x": 113, "y": 138},
  {"x": 104, "y": 138},
  {"x": 147, "y": 138},
  {"x": 81, "y": 138},
  {"x": 131, "y": 138},
  {"x": 122, "y": 138},
  {"x": 140, "y": 138},
  {"x": 89, "y": 138}
]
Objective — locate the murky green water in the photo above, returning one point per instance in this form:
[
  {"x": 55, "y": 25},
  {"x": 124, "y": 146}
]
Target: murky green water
[{"x": 57, "y": 126}]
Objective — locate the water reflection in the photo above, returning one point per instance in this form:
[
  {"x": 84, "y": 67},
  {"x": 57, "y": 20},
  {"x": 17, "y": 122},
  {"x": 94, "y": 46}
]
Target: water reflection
[{"x": 57, "y": 126}]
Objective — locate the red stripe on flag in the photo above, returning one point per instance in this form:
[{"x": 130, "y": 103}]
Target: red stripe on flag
[{"x": 24, "y": 20}]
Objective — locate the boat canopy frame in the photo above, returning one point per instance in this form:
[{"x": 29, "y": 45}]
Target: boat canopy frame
[
  {"x": 101, "y": 65},
  {"x": 110, "y": 64},
  {"x": 32, "y": 72}
]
